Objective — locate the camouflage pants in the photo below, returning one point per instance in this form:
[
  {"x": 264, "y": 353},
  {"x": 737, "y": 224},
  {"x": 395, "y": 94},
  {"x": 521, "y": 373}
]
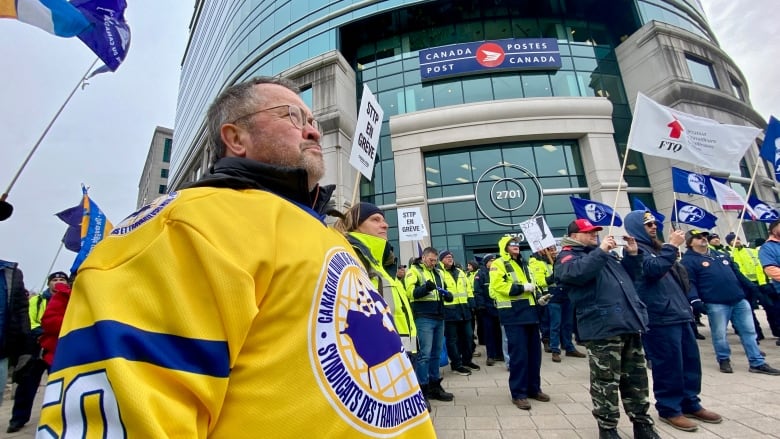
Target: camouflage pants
[{"x": 618, "y": 363}]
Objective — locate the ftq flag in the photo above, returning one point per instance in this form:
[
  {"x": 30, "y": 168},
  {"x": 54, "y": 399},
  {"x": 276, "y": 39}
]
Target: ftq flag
[
  {"x": 57, "y": 17},
  {"x": 598, "y": 213},
  {"x": 662, "y": 131},
  {"x": 94, "y": 226},
  {"x": 763, "y": 212},
  {"x": 686, "y": 213},
  {"x": 770, "y": 149},
  {"x": 686, "y": 182},
  {"x": 109, "y": 35},
  {"x": 639, "y": 205}
]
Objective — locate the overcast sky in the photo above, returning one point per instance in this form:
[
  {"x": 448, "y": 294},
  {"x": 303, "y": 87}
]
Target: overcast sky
[{"x": 102, "y": 137}]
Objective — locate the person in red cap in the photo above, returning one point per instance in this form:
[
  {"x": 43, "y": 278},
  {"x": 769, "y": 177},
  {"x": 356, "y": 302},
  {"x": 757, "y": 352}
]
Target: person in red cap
[{"x": 610, "y": 318}]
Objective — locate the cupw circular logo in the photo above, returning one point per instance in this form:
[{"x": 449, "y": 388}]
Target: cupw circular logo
[
  {"x": 356, "y": 354},
  {"x": 490, "y": 55}
]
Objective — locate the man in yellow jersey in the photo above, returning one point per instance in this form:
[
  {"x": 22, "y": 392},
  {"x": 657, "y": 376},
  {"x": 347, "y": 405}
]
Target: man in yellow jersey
[{"x": 203, "y": 315}]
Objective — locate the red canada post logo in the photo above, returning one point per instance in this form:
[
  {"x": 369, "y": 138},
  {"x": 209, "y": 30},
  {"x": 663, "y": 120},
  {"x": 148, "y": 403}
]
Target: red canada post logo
[
  {"x": 490, "y": 55},
  {"x": 676, "y": 129}
]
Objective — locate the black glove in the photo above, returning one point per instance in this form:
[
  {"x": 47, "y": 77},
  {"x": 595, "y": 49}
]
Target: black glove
[
  {"x": 429, "y": 285},
  {"x": 472, "y": 304},
  {"x": 698, "y": 306},
  {"x": 516, "y": 290},
  {"x": 550, "y": 279}
]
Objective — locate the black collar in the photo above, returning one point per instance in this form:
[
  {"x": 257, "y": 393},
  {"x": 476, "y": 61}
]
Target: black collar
[{"x": 289, "y": 183}]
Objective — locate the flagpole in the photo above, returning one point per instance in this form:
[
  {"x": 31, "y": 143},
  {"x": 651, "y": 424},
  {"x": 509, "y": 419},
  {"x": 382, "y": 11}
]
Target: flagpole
[
  {"x": 747, "y": 197},
  {"x": 4, "y": 196},
  {"x": 617, "y": 192},
  {"x": 675, "y": 224},
  {"x": 51, "y": 267}
]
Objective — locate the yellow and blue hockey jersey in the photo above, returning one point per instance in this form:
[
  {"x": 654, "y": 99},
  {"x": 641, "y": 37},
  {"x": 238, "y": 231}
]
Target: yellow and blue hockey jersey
[{"x": 226, "y": 313}]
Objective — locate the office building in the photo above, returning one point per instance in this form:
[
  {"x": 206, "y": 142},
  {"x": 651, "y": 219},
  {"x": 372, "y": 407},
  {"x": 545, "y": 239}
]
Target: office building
[
  {"x": 154, "y": 179},
  {"x": 494, "y": 110}
]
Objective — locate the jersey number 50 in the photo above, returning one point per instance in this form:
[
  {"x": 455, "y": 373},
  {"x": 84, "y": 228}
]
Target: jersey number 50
[{"x": 87, "y": 403}]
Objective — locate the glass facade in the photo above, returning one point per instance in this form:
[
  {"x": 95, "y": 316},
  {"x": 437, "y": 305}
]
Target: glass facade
[
  {"x": 256, "y": 37},
  {"x": 384, "y": 51},
  {"x": 451, "y": 173},
  {"x": 687, "y": 15}
]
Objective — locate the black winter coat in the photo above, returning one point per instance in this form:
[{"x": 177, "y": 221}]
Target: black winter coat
[
  {"x": 602, "y": 291},
  {"x": 15, "y": 321}
]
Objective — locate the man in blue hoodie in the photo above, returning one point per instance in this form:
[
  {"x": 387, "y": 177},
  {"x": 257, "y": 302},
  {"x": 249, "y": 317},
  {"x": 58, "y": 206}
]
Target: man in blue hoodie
[
  {"x": 718, "y": 285},
  {"x": 670, "y": 343}
]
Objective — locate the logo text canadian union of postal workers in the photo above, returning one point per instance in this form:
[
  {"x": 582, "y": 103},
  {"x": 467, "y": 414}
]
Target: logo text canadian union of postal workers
[{"x": 356, "y": 353}]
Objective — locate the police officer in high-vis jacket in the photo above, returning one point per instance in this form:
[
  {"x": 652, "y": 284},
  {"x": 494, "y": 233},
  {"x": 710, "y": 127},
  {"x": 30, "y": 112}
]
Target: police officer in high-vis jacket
[{"x": 511, "y": 286}]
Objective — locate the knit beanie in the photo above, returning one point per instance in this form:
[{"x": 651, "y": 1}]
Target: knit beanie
[
  {"x": 58, "y": 274},
  {"x": 730, "y": 237},
  {"x": 365, "y": 210},
  {"x": 444, "y": 254}
]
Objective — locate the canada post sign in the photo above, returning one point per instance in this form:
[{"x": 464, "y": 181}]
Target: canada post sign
[{"x": 482, "y": 56}]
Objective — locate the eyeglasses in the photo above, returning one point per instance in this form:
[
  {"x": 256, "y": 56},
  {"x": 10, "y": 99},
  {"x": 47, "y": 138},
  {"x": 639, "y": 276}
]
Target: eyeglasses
[
  {"x": 297, "y": 115},
  {"x": 514, "y": 244}
]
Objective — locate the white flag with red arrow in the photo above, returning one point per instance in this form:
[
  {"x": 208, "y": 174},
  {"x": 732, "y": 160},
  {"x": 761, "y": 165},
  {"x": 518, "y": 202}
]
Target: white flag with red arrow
[{"x": 664, "y": 132}]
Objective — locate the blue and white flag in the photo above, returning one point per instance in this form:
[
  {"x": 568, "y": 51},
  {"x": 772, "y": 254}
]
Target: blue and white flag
[
  {"x": 687, "y": 213},
  {"x": 770, "y": 149},
  {"x": 639, "y": 205},
  {"x": 763, "y": 212},
  {"x": 687, "y": 182},
  {"x": 57, "y": 17},
  {"x": 100, "y": 24},
  {"x": 599, "y": 214}
]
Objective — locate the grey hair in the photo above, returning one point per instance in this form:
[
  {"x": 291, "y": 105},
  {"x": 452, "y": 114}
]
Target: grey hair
[{"x": 234, "y": 102}]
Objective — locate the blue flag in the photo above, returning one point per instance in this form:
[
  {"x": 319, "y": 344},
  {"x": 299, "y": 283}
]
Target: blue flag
[
  {"x": 72, "y": 217},
  {"x": 599, "y": 214},
  {"x": 686, "y": 182},
  {"x": 764, "y": 212},
  {"x": 108, "y": 35},
  {"x": 94, "y": 226},
  {"x": 687, "y": 213},
  {"x": 770, "y": 149},
  {"x": 639, "y": 205}
]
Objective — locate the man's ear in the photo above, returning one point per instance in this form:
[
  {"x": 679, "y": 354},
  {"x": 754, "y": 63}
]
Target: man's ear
[{"x": 235, "y": 139}]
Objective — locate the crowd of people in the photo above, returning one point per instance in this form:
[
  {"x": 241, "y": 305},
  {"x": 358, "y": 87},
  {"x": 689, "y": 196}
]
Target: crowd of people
[{"x": 198, "y": 302}]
